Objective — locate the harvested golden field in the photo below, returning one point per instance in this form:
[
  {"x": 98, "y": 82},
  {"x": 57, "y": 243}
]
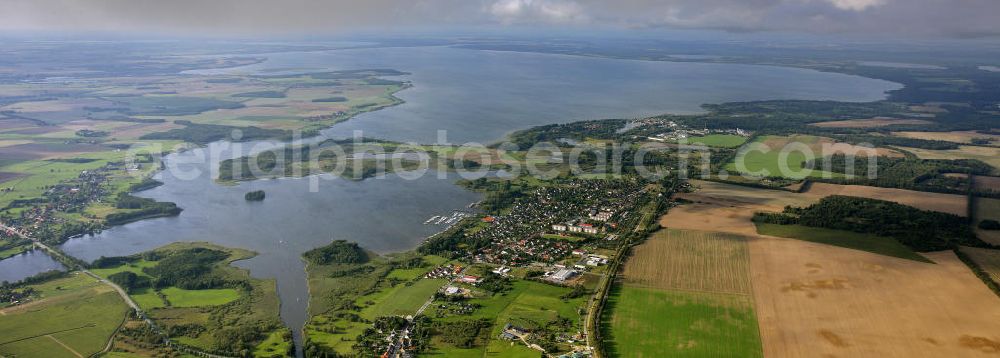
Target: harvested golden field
[
  {"x": 741, "y": 196},
  {"x": 710, "y": 217},
  {"x": 947, "y": 203},
  {"x": 992, "y": 237},
  {"x": 988, "y": 260},
  {"x": 822, "y": 146},
  {"x": 928, "y": 108},
  {"x": 989, "y": 155},
  {"x": 691, "y": 261},
  {"x": 727, "y": 208},
  {"x": 684, "y": 293},
  {"x": 868, "y": 123},
  {"x": 964, "y": 137},
  {"x": 988, "y": 208},
  {"x": 815, "y": 300},
  {"x": 987, "y": 183}
]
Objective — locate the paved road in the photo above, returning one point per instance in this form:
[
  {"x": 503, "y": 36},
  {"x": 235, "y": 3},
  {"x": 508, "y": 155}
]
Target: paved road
[
  {"x": 57, "y": 253},
  {"x": 121, "y": 292}
]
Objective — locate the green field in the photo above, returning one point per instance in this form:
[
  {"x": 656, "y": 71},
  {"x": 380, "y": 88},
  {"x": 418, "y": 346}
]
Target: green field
[
  {"x": 401, "y": 300},
  {"x": 664, "y": 323},
  {"x": 683, "y": 293},
  {"x": 77, "y": 312},
  {"x": 277, "y": 344},
  {"x": 528, "y": 303},
  {"x": 410, "y": 291},
  {"x": 770, "y": 161},
  {"x": 562, "y": 237},
  {"x": 199, "y": 298},
  {"x": 865, "y": 242},
  {"x": 13, "y": 251},
  {"x": 719, "y": 140}
]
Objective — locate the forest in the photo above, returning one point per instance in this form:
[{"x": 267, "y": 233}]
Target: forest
[
  {"x": 920, "y": 230},
  {"x": 337, "y": 252},
  {"x": 904, "y": 173}
]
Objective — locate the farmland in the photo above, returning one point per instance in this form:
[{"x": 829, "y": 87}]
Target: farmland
[
  {"x": 868, "y": 123},
  {"x": 664, "y": 323},
  {"x": 719, "y": 140},
  {"x": 808, "y": 293},
  {"x": 963, "y": 137},
  {"x": 52, "y": 133},
  {"x": 847, "y": 239},
  {"x": 989, "y": 155},
  {"x": 987, "y": 208},
  {"x": 75, "y": 316},
  {"x": 690, "y": 261},
  {"x": 815, "y": 300},
  {"x": 684, "y": 292},
  {"x": 727, "y": 208},
  {"x": 988, "y": 260},
  {"x": 946, "y": 203},
  {"x": 785, "y": 156}
]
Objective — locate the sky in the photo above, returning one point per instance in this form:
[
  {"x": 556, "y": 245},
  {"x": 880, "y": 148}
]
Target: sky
[{"x": 904, "y": 18}]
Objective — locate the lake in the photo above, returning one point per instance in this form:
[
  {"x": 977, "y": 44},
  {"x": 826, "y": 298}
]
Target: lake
[
  {"x": 474, "y": 95},
  {"x": 27, "y": 264}
]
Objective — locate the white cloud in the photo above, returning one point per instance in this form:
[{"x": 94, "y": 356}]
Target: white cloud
[
  {"x": 957, "y": 18},
  {"x": 856, "y": 5},
  {"x": 545, "y": 11}
]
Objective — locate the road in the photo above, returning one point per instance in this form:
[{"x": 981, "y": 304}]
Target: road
[
  {"x": 56, "y": 253},
  {"x": 397, "y": 344},
  {"x": 121, "y": 292}
]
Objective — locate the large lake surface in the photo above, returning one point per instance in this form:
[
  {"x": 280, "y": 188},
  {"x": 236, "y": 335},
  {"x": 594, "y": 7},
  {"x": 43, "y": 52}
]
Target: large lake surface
[{"x": 476, "y": 96}]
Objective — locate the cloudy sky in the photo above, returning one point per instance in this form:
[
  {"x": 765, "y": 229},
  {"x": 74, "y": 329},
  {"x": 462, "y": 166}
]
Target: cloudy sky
[{"x": 911, "y": 18}]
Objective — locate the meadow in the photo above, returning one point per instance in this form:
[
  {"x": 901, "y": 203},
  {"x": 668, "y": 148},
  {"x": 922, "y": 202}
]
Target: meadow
[
  {"x": 74, "y": 317},
  {"x": 683, "y": 293},
  {"x": 179, "y": 297},
  {"x": 369, "y": 294},
  {"x": 786, "y": 156},
  {"x": 200, "y": 317},
  {"x": 527, "y": 303},
  {"x": 719, "y": 140},
  {"x": 667, "y": 323}
]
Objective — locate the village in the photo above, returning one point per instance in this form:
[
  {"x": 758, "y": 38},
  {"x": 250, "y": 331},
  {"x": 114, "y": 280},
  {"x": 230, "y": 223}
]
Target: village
[
  {"x": 545, "y": 225},
  {"x": 554, "y": 236},
  {"x": 61, "y": 212}
]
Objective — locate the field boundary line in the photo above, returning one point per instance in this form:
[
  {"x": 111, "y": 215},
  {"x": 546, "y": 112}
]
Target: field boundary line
[
  {"x": 89, "y": 325},
  {"x": 71, "y": 350},
  {"x": 687, "y": 290},
  {"x": 753, "y": 297}
]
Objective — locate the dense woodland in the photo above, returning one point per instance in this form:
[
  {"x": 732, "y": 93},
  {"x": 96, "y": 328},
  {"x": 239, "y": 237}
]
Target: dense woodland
[
  {"x": 142, "y": 208},
  {"x": 337, "y": 252},
  {"x": 904, "y": 173},
  {"x": 207, "y": 133},
  {"x": 918, "y": 229}
]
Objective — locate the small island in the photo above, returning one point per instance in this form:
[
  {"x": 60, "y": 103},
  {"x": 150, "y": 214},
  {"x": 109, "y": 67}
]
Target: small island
[{"x": 256, "y": 195}]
